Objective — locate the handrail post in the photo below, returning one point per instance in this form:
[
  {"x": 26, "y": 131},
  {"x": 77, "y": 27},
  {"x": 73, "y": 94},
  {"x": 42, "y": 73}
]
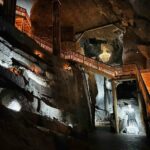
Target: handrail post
[{"x": 115, "y": 106}]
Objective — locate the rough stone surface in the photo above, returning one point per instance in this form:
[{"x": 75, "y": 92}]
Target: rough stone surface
[{"x": 46, "y": 79}]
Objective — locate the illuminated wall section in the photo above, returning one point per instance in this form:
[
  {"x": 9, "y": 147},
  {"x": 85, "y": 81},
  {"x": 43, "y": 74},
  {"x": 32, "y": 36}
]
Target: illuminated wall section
[{"x": 146, "y": 78}]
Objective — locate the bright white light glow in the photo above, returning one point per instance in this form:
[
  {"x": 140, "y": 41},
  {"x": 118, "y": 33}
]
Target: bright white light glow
[
  {"x": 132, "y": 130},
  {"x": 50, "y": 111},
  {"x": 106, "y": 52},
  {"x": 108, "y": 84},
  {"x": 131, "y": 110},
  {"x": 1, "y": 2},
  {"x": 14, "y": 105},
  {"x": 4, "y": 64},
  {"x": 105, "y": 57}
]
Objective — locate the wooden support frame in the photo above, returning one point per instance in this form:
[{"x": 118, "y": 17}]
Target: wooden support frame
[
  {"x": 115, "y": 101},
  {"x": 141, "y": 106}
]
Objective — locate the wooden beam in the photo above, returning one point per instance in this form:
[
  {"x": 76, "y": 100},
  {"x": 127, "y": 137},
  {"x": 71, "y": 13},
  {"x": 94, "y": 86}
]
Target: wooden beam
[
  {"x": 142, "y": 108},
  {"x": 115, "y": 106},
  {"x": 105, "y": 97},
  {"x": 9, "y": 11},
  {"x": 56, "y": 28}
]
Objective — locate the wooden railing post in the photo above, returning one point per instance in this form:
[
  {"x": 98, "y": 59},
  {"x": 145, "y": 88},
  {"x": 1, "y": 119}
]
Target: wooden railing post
[{"x": 115, "y": 106}]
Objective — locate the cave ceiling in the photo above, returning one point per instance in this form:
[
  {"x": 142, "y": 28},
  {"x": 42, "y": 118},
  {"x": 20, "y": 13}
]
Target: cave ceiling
[
  {"x": 89, "y": 14},
  {"x": 131, "y": 17}
]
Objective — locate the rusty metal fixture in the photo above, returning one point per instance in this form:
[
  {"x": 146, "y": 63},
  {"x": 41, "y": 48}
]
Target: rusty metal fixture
[
  {"x": 15, "y": 71},
  {"x": 66, "y": 67},
  {"x": 38, "y": 53}
]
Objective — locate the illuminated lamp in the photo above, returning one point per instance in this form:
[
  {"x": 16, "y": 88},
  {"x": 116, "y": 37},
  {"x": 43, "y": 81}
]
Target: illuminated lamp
[
  {"x": 14, "y": 105},
  {"x": 38, "y": 53},
  {"x": 66, "y": 67},
  {"x": 106, "y": 52}
]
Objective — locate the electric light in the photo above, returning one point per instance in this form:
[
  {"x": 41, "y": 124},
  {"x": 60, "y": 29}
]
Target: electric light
[
  {"x": 106, "y": 52},
  {"x": 66, "y": 67},
  {"x": 14, "y": 105},
  {"x": 38, "y": 53}
]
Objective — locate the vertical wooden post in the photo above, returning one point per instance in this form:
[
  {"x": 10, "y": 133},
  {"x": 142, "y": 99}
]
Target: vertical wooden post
[
  {"x": 140, "y": 106},
  {"x": 22, "y": 25},
  {"x": 115, "y": 105},
  {"x": 105, "y": 97},
  {"x": 56, "y": 27},
  {"x": 9, "y": 11}
]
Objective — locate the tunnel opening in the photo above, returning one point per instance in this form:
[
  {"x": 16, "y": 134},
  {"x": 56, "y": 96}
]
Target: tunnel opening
[
  {"x": 129, "y": 117},
  {"x": 104, "y": 102},
  {"x": 129, "y": 109}
]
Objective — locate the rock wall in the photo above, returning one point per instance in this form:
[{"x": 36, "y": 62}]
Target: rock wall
[{"x": 54, "y": 90}]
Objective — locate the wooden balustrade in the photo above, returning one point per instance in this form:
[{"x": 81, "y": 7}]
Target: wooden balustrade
[{"x": 22, "y": 12}]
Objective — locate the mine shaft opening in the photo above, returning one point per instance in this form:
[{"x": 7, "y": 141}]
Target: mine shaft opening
[
  {"x": 126, "y": 116},
  {"x": 130, "y": 117}
]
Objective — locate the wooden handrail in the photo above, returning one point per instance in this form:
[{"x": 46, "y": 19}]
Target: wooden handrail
[
  {"x": 23, "y": 12},
  {"x": 144, "y": 90}
]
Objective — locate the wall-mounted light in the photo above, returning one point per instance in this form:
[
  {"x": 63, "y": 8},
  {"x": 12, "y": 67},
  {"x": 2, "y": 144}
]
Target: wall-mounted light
[
  {"x": 38, "y": 53},
  {"x": 66, "y": 66},
  {"x": 106, "y": 52},
  {"x": 14, "y": 105}
]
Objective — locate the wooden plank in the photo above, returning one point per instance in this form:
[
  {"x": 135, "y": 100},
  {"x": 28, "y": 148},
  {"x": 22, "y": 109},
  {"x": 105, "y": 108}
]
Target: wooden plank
[
  {"x": 115, "y": 106},
  {"x": 146, "y": 78}
]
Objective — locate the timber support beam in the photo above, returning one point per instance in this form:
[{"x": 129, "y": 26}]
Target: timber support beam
[
  {"x": 56, "y": 27},
  {"x": 9, "y": 11},
  {"x": 114, "y": 90}
]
